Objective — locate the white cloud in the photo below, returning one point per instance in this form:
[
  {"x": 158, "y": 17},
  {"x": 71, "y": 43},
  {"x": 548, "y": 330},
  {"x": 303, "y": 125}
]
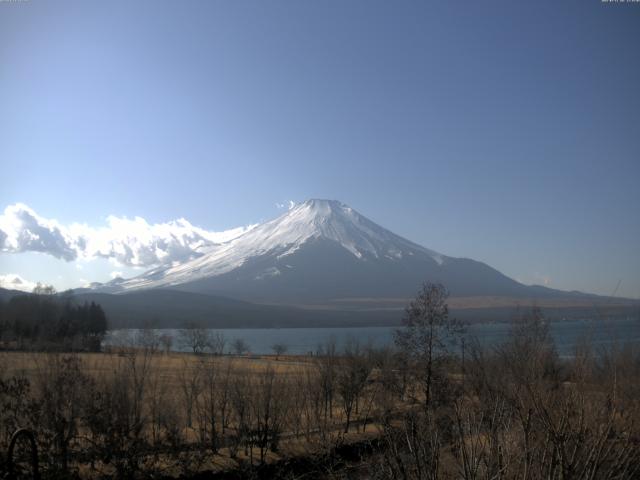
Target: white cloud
[
  {"x": 133, "y": 242},
  {"x": 116, "y": 274},
  {"x": 23, "y": 230},
  {"x": 12, "y": 281},
  {"x": 288, "y": 205}
]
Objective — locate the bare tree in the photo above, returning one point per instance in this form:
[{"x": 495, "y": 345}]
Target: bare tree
[
  {"x": 352, "y": 378},
  {"x": 63, "y": 386},
  {"x": 208, "y": 404},
  {"x": 240, "y": 397},
  {"x": 240, "y": 346},
  {"x": 158, "y": 407},
  {"x": 217, "y": 342},
  {"x": 148, "y": 338},
  {"x": 195, "y": 338},
  {"x": 269, "y": 405},
  {"x": 223, "y": 396},
  {"x": 44, "y": 289},
  {"x": 166, "y": 341},
  {"x": 428, "y": 335},
  {"x": 279, "y": 349},
  {"x": 310, "y": 397},
  {"x": 190, "y": 386},
  {"x": 411, "y": 448},
  {"x": 326, "y": 361},
  {"x": 117, "y": 415}
]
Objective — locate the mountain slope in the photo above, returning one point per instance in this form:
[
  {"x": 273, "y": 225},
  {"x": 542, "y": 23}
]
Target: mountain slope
[
  {"x": 321, "y": 251},
  {"x": 283, "y": 237}
]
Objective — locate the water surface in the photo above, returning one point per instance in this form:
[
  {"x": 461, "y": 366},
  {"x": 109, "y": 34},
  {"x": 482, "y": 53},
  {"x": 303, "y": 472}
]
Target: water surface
[{"x": 566, "y": 334}]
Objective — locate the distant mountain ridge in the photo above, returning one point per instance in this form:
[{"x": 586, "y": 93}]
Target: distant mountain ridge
[
  {"x": 161, "y": 308},
  {"x": 322, "y": 251}
]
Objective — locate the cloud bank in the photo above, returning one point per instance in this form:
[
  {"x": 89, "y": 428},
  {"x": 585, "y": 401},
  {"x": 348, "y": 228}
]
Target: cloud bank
[
  {"x": 133, "y": 242},
  {"x": 12, "y": 281}
]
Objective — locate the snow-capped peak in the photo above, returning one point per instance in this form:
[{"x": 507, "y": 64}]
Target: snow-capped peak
[
  {"x": 333, "y": 220},
  {"x": 313, "y": 219}
]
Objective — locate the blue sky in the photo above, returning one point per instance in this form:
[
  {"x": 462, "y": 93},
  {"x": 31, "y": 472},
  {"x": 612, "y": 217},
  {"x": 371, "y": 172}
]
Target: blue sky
[{"x": 507, "y": 132}]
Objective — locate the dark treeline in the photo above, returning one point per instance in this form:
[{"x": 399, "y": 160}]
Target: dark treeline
[{"x": 43, "y": 320}]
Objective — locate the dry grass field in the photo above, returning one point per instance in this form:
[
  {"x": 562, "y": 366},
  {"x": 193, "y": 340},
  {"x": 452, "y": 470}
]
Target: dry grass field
[
  {"x": 171, "y": 364},
  {"x": 208, "y": 411}
]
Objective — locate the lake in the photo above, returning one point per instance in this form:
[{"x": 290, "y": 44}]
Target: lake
[{"x": 567, "y": 334}]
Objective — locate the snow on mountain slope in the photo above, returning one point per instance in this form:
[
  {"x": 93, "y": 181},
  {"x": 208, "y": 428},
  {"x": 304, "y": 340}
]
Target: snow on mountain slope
[{"x": 314, "y": 219}]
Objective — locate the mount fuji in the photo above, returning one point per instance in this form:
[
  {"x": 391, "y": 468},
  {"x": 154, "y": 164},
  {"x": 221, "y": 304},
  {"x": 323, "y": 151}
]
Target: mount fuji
[{"x": 323, "y": 252}]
